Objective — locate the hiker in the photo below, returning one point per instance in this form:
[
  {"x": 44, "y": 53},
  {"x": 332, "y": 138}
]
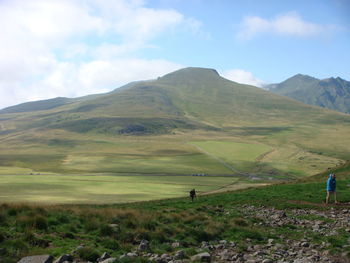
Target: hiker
[
  {"x": 331, "y": 188},
  {"x": 193, "y": 194}
]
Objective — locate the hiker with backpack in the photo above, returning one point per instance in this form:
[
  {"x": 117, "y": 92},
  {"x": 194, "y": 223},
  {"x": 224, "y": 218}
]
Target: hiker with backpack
[
  {"x": 331, "y": 188},
  {"x": 193, "y": 194}
]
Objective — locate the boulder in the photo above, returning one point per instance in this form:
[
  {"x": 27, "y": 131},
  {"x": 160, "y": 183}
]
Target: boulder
[
  {"x": 104, "y": 256},
  {"x": 144, "y": 245},
  {"x": 175, "y": 245},
  {"x": 202, "y": 257},
  {"x": 37, "y": 259},
  {"x": 179, "y": 254},
  {"x": 109, "y": 260},
  {"x": 64, "y": 258}
]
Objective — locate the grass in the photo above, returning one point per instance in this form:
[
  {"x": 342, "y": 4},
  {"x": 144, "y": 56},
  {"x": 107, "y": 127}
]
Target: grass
[
  {"x": 241, "y": 156},
  {"x": 118, "y": 228},
  {"x": 176, "y": 154},
  {"x": 102, "y": 189}
]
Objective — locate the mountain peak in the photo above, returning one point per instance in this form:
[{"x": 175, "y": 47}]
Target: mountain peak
[
  {"x": 191, "y": 74},
  {"x": 302, "y": 77}
]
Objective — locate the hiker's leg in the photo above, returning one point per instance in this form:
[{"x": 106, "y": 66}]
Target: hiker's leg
[
  {"x": 327, "y": 197},
  {"x": 335, "y": 197}
]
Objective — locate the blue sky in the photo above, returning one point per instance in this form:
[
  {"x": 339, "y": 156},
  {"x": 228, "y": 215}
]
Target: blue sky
[{"x": 76, "y": 47}]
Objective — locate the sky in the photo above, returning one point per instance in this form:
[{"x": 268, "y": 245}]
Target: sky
[{"x": 70, "y": 48}]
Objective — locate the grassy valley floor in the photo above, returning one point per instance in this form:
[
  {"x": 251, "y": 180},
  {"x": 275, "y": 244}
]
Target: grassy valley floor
[{"x": 104, "y": 189}]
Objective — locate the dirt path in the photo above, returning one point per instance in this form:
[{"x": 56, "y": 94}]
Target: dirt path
[{"x": 264, "y": 155}]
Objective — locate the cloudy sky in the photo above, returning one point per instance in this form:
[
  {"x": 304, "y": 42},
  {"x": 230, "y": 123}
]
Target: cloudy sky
[{"x": 70, "y": 48}]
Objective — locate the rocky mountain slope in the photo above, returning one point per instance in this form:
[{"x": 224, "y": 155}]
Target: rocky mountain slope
[{"x": 331, "y": 93}]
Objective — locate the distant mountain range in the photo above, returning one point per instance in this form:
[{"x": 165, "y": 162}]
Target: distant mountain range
[{"x": 331, "y": 93}]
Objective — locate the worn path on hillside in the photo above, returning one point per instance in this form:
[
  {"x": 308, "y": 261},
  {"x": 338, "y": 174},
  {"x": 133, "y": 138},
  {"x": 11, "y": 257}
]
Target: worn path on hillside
[{"x": 228, "y": 166}]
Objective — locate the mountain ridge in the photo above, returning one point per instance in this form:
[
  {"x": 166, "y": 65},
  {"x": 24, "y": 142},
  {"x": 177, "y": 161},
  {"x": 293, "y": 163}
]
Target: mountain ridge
[{"x": 332, "y": 93}]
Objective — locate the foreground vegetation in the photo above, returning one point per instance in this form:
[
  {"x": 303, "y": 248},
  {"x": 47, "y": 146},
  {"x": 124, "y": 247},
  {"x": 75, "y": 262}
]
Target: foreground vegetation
[{"x": 56, "y": 229}]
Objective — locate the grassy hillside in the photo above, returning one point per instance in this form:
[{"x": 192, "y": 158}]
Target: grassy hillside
[
  {"x": 189, "y": 121},
  {"x": 267, "y": 220},
  {"x": 331, "y": 93}
]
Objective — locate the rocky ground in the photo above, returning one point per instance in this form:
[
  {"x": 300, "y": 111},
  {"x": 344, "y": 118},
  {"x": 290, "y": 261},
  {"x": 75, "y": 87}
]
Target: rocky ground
[{"x": 330, "y": 222}]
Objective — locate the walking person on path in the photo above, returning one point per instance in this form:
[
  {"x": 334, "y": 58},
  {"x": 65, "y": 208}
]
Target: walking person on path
[
  {"x": 193, "y": 194},
  {"x": 331, "y": 188}
]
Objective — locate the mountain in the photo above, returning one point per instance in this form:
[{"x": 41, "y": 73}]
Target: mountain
[
  {"x": 189, "y": 121},
  {"x": 188, "y": 98},
  {"x": 331, "y": 93}
]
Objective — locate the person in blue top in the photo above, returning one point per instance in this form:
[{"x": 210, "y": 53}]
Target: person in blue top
[{"x": 331, "y": 188}]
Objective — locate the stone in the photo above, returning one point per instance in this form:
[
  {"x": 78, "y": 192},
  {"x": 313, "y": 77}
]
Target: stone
[
  {"x": 223, "y": 242},
  {"x": 232, "y": 244},
  {"x": 175, "y": 245},
  {"x": 305, "y": 244},
  {"x": 104, "y": 256},
  {"x": 131, "y": 255},
  {"x": 64, "y": 258},
  {"x": 202, "y": 257},
  {"x": 37, "y": 259},
  {"x": 144, "y": 245},
  {"x": 78, "y": 248},
  {"x": 179, "y": 254},
  {"x": 108, "y": 260},
  {"x": 267, "y": 260}
]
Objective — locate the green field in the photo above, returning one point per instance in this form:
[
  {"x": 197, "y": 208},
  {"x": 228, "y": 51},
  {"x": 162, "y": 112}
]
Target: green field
[
  {"x": 238, "y": 156},
  {"x": 105, "y": 188}
]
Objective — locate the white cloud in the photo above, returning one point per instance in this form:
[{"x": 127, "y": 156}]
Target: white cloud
[
  {"x": 242, "y": 76},
  {"x": 98, "y": 76},
  {"x": 70, "y": 48},
  {"x": 113, "y": 73},
  {"x": 286, "y": 24}
]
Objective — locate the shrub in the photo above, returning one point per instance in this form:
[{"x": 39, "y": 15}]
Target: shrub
[
  {"x": 240, "y": 222},
  {"x": 12, "y": 212},
  {"x": 159, "y": 236},
  {"x": 34, "y": 240},
  {"x": 69, "y": 235},
  {"x": 40, "y": 223},
  {"x": 141, "y": 233},
  {"x": 63, "y": 219},
  {"x": 2, "y": 237},
  {"x": 17, "y": 246},
  {"x": 214, "y": 230},
  {"x": 106, "y": 230},
  {"x": 150, "y": 225},
  {"x": 110, "y": 244},
  {"x": 3, "y": 218},
  {"x": 88, "y": 253},
  {"x": 91, "y": 225}
]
